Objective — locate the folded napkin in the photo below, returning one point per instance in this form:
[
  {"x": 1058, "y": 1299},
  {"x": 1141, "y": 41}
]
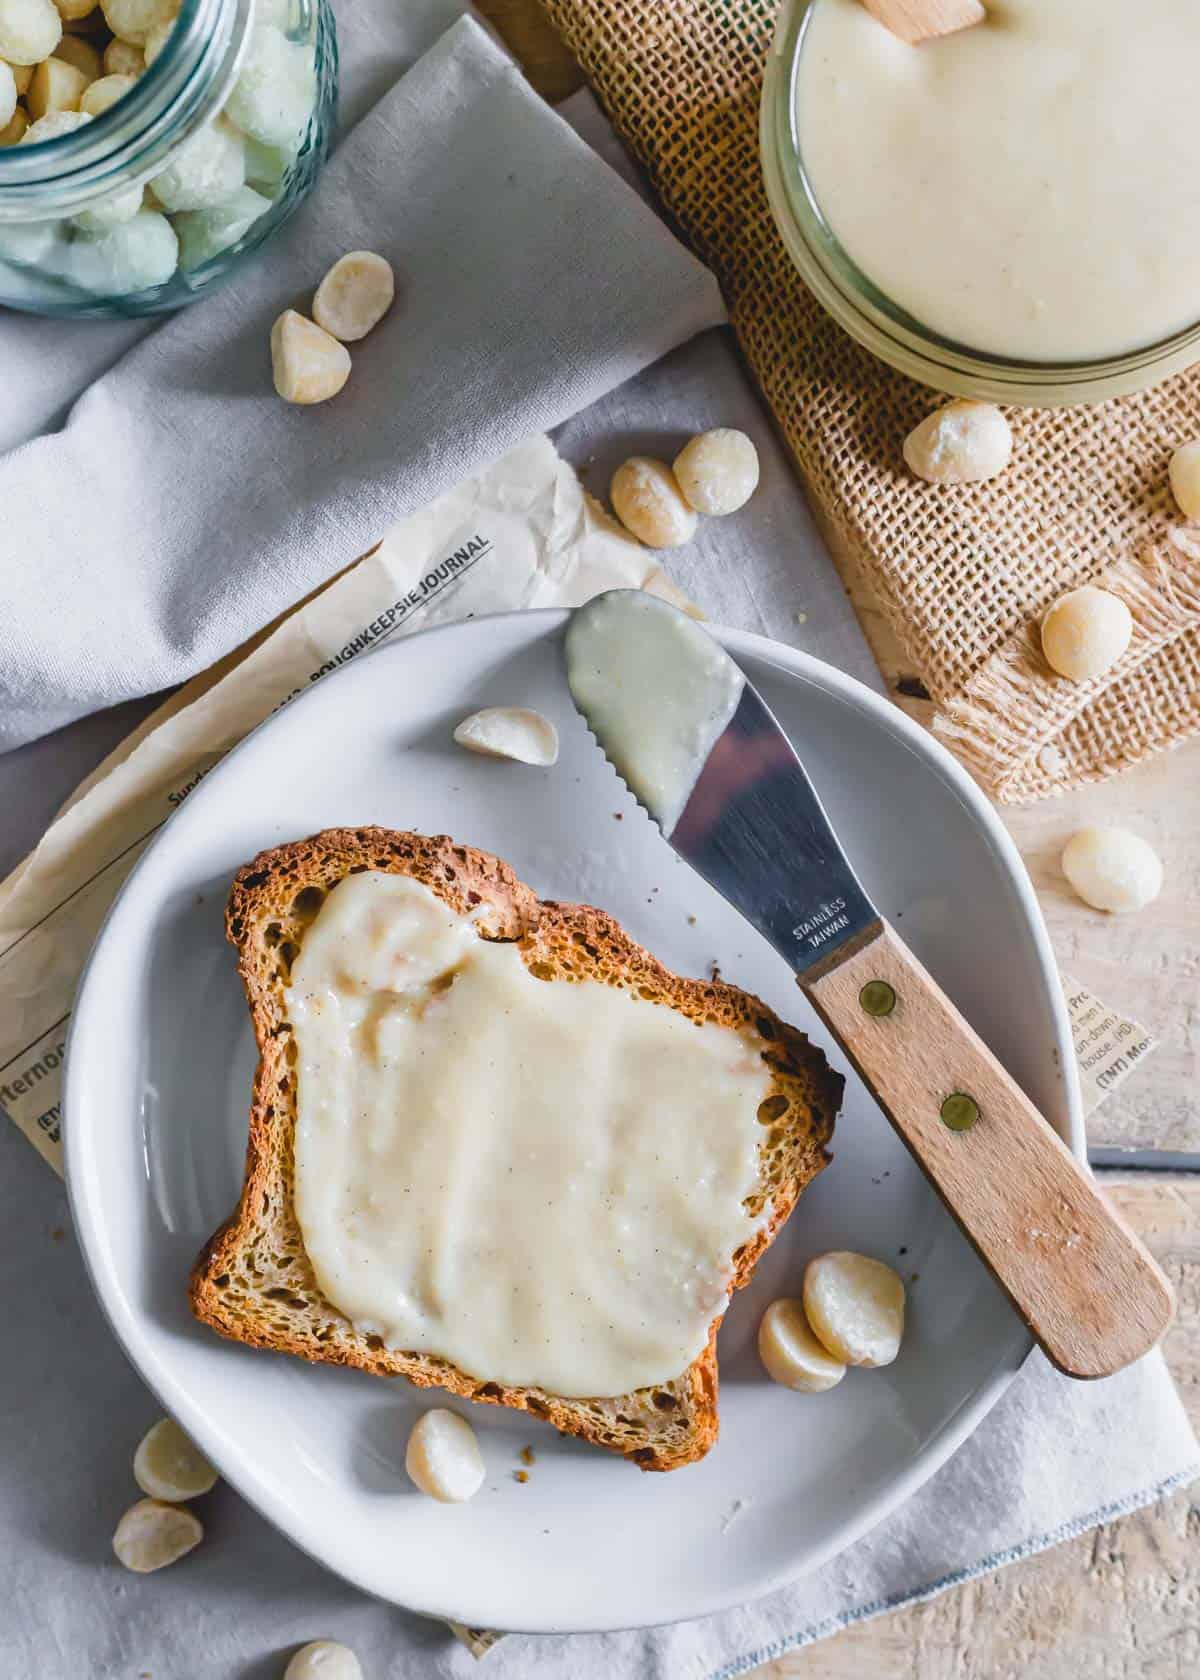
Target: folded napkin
[{"x": 183, "y": 504}]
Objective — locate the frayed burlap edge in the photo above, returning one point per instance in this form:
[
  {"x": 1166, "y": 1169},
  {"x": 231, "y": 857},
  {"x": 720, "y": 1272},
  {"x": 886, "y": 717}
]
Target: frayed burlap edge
[{"x": 1026, "y": 732}]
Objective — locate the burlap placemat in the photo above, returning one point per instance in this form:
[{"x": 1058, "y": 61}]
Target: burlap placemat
[{"x": 963, "y": 572}]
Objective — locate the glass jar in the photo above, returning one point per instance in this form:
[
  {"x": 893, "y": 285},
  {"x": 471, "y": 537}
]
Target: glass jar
[
  {"x": 881, "y": 325},
  {"x": 82, "y": 231}
]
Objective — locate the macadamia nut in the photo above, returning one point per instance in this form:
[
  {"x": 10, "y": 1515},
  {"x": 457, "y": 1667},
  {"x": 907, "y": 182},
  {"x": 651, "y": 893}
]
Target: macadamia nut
[
  {"x": 122, "y": 59},
  {"x": 132, "y": 257},
  {"x": 309, "y": 366},
  {"x": 1112, "y": 869},
  {"x": 29, "y": 30},
  {"x": 649, "y": 503},
  {"x": 31, "y": 244},
  {"x": 151, "y": 1535},
  {"x": 13, "y": 131},
  {"x": 1085, "y": 632},
  {"x": 53, "y": 126},
  {"x": 717, "y": 471},
  {"x": 132, "y": 20},
  {"x": 443, "y": 1457},
  {"x": 169, "y": 1466},
  {"x": 266, "y": 166},
  {"x": 204, "y": 234},
  {"x": 73, "y": 49},
  {"x": 792, "y": 1354},
  {"x": 103, "y": 93},
  {"x": 110, "y": 212},
  {"x": 73, "y": 11},
  {"x": 22, "y": 75},
  {"x": 157, "y": 39},
  {"x": 206, "y": 170},
  {"x": 515, "y": 732},
  {"x": 355, "y": 295},
  {"x": 324, "y": 1659},
  {"x": 1184, "y": 474},
  {"x": 963, "y": 442},
  {"x": 8, "y": 95},
  {"x": 274, "y": 92},
  {"x": 56, "y": 86},
  {"x": 855, "y": 1307}
]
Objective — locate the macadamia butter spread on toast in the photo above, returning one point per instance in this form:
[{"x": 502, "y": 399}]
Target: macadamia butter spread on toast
[
  {"x": 1025, "y": 187},
  {"x": 541, "y": 1181}
]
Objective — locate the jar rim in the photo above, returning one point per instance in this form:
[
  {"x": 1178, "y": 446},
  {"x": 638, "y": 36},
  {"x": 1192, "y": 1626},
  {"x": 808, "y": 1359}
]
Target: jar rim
[
  {"x": 185, "y": 86},
  {"x": 865, "y": 311}
]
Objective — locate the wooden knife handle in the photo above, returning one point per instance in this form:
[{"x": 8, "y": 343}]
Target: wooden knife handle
[{"x": 1090, "y": 1292}]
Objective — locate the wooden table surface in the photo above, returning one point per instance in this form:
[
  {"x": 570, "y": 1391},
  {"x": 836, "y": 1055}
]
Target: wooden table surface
[{"x": 1124, "y": 1600}]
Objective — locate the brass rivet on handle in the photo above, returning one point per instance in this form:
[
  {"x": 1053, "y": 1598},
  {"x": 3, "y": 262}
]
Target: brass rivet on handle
[
  {"x": 959, "y": 1111},
  {"x": 877, "y": 998}
]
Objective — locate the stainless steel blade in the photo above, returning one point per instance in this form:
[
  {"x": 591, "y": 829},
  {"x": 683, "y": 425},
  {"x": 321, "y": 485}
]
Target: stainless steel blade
[
  {"x": 701, "y": 751},
  {"x": 756, "y": 830}
]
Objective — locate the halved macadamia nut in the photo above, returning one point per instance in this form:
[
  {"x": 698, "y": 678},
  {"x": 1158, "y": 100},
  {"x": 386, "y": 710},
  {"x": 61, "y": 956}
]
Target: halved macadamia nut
[
  {"x": 515, "y": 732},
  {"x": 355, "y": 295},
  {"x": 646, "y": 498},
  {"x": 855, "y": 1307},
  {"x": 791, "y": 1353},
  {"x": 152, "y": 1535},
  {"x": 169, "y": 1466}
]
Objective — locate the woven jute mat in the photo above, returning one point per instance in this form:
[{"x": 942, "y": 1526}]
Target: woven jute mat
[{"x": 964, "y": 572}]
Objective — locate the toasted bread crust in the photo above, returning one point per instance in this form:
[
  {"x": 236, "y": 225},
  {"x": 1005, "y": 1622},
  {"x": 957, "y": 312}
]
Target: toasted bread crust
[{"x": 253, "y": 1282}]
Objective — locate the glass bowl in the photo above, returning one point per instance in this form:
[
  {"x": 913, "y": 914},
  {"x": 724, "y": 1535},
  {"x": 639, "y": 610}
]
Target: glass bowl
[{"x": 879, "y": 324}]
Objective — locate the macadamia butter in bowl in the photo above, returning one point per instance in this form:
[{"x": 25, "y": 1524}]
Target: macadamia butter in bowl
[{"x": 1003, "y": 212}]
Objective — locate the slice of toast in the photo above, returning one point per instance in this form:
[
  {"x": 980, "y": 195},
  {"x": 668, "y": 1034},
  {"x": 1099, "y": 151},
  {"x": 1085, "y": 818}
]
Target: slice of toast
[{"x": 253, "y": 1281}]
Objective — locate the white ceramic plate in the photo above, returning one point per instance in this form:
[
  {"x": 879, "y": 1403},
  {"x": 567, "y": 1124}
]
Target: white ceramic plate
[{"x": 158, "y": 1081}]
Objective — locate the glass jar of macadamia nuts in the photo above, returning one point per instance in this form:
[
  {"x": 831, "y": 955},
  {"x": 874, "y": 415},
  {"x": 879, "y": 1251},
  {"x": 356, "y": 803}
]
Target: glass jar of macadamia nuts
[
  {"x": 148, "y": 145},
  {"x": 1001, "y": 212}
]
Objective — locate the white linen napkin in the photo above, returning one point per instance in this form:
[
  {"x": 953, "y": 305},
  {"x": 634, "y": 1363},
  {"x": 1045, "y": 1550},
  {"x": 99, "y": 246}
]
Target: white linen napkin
[{"x": 183, "y": 504}]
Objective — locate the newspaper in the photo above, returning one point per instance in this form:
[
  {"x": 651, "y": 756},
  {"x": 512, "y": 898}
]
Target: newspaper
[
  {"x": 523, "y": 533},
  {"x": 1108, "y": 1046}
]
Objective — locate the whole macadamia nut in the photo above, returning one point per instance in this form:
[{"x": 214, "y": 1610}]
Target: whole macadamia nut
[
  {"x": 717, "y": 471},
  {"x": 963, "y": 442},
  {"x": 29, "y": 30},
  {"x": 1112, "y": 869},
  {"x": 324, "y": 1659},
  {"x": 1085, "y": 632}
]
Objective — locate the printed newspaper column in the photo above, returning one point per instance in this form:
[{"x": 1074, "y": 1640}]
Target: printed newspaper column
[{"x": 1107, "y": 1046}]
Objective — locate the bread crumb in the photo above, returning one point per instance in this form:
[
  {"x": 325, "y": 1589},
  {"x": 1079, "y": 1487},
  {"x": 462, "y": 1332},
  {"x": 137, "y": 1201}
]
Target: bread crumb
[
  {"x": 520, "y": 1475},
  {"x": 528, "y": 1456}
]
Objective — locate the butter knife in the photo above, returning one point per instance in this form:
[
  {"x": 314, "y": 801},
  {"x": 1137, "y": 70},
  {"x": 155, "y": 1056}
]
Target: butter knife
[{"x": 702, "y": 752}]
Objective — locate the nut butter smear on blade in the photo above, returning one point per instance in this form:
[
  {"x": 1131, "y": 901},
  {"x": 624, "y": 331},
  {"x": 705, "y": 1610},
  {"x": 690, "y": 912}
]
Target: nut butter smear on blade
[{"x": 1021, "y": 187}]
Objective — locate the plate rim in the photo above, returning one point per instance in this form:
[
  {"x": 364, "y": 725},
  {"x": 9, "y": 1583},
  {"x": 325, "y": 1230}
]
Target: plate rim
[{"x": 125, "y": 1324}]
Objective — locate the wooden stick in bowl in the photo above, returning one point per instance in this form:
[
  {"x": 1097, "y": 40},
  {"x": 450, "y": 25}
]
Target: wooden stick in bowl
[{"x": 915, "y": 21}]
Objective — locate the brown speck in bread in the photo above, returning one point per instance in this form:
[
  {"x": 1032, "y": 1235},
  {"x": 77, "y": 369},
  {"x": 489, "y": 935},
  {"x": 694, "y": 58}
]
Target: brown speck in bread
[{"x": 253, "y": 1281}]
